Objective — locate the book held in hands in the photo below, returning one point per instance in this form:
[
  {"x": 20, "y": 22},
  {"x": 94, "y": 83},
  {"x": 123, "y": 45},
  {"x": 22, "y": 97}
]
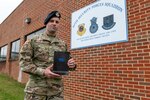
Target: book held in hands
[{"x": 60, "y": 62}]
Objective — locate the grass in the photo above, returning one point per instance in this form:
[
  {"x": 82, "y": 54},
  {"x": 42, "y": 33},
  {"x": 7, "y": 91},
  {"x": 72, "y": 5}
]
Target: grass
[{"x": 10, "y": 89}]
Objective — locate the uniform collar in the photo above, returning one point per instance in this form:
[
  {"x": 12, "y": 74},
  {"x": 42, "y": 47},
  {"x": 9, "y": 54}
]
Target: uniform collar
[{"x": 52, "y": 39}]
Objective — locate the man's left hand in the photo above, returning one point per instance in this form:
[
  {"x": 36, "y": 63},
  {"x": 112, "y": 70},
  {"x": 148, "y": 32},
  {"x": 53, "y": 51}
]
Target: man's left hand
[{"x": 71, "y": 63}]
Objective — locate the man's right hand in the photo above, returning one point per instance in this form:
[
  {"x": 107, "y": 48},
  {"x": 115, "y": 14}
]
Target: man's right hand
[{"x": 49, "y": 74}]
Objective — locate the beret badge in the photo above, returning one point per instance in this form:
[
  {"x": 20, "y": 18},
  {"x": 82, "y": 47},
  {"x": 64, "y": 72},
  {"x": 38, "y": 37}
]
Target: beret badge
[{"x": 57, "y": 14}]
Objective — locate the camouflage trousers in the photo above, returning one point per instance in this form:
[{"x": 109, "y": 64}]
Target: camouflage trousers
[{"x": 29, "y": 96}]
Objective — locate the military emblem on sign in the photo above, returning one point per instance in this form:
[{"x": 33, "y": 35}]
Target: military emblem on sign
[
  {"x": 108, "y": 22},
  {"x": 81, "y": 29},
  {"x": 94, "y": 25}
]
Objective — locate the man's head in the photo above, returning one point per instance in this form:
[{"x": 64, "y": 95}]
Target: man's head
[
  {"x": 51, "y": 15},
  {"x": 52, "y": 22}
]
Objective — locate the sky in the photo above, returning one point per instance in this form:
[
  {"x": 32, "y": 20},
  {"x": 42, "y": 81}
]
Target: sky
[{"x": 7, "y": 7}]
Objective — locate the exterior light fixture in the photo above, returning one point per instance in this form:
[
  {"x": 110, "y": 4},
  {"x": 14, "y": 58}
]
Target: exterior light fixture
[{"x": 28, "y": 20}]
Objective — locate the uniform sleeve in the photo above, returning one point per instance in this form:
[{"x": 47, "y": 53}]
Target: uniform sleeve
[{"x": 25, "y": 60}]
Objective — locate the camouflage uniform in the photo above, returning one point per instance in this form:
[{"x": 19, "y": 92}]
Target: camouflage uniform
[{"x": 36, "y": 55}]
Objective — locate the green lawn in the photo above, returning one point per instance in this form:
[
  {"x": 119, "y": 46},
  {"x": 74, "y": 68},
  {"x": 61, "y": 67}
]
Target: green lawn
[{"x": 10, "y": 89}]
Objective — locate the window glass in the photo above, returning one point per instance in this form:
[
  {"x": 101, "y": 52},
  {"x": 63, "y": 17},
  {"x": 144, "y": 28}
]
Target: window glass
[
  {"x": 15, "y": 46},
  {"x": 3, "y": 53},
  {"x": 35, "y": 33}
]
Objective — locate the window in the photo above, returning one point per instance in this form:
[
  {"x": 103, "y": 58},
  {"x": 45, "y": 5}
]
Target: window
[
  {"x": 3, "y": 53},
  {"x": 35, "y": 33},
  {"x": 15, "y": 46}
]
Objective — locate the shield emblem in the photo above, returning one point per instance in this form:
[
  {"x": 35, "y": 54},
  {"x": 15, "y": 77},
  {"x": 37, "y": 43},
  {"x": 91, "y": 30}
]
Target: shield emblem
[
  {"x": 81, "y": 29},
  {"x": 108, "y": 22}
]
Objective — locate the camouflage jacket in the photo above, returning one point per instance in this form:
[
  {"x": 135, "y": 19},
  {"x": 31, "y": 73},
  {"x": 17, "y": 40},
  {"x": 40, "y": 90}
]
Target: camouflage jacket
[{"x": 36, "y": 55}]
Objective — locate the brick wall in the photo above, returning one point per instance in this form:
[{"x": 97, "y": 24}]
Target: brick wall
[{"x": 114, "y": 71}]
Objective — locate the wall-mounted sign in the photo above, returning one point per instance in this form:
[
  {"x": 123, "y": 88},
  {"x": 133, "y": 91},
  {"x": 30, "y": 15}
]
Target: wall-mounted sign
[{"x": 102, "y": 22}]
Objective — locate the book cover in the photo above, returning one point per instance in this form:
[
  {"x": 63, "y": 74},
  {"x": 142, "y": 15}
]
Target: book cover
[{"x": 60, "y": 62}]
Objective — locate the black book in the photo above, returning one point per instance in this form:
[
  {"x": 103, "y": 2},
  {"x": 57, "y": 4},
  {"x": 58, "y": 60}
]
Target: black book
[{"x": 60, "y": 62}]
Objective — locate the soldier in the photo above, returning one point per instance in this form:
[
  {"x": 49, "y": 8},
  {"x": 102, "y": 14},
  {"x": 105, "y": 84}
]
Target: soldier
[{"x": 36, "y": 59}]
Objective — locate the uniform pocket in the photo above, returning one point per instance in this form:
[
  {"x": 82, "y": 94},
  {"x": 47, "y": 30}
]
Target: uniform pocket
[{"x": 41, "y": 53}]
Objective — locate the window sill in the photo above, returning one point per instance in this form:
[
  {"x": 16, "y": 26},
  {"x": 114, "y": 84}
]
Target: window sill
[
  {"x": 13, "y": 59},
  {"x": 2, "y": 60}
]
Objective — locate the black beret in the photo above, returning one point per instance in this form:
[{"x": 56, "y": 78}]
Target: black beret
[{"x": 51, "y": 15}]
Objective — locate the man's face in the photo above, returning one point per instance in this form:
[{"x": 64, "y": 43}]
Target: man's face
[{"x": 52, "y": 25}]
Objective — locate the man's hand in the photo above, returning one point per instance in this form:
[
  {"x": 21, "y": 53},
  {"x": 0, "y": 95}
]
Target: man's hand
[
  {"x": 71, "y": 63},
  {"x": 49, "y": 74}
]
